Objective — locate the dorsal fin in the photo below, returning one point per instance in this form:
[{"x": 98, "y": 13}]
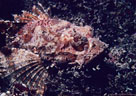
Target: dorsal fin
[
  {"x": 25, "y": 17},
  {"x": 38, "y": 13}
]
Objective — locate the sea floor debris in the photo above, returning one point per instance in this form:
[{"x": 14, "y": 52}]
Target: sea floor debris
[{"x": 43, "y": 39}]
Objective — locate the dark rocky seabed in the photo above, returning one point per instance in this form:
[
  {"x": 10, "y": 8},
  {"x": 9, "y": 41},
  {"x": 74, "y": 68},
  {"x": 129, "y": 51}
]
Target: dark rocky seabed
[{"x": 114, "y": 22}]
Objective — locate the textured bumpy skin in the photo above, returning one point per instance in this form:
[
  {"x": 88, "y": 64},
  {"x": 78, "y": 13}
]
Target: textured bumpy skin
[
  {"x": 57, "y": 40},
  {"x": 50, "y": 39}
]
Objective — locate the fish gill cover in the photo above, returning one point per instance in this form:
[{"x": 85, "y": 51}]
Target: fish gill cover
[{"x": 56, "y": 54}]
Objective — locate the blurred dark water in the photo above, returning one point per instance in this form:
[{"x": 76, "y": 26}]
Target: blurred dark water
[{"x": 114, "y": 22}]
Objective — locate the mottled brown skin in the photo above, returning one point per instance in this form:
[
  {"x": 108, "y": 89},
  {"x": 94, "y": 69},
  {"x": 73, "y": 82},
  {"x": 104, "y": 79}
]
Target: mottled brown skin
[
  {"x": 46, "y": 38},
  {"x": 57, "y": 40}
]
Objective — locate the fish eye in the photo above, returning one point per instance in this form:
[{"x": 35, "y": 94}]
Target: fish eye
[{"x": 79, "y": 43}]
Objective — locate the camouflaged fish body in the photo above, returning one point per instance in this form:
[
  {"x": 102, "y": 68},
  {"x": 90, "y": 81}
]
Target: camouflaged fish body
[{"x": 46, "y": 38}]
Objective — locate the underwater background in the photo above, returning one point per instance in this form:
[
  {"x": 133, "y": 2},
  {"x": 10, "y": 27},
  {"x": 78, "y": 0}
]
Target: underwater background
[{"x": 114, "y": 22}]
